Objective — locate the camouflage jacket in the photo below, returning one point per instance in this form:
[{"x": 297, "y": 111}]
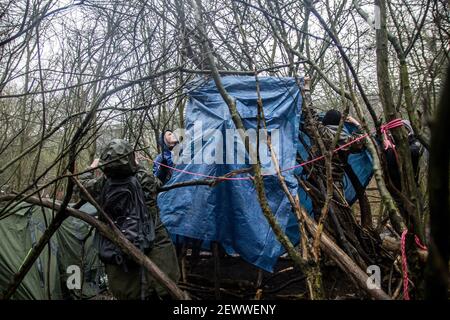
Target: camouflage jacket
[
  {"x": 329, "y": 132},
  {"x": 149, "y": 183},
  {"x": 339, "y": 159}
]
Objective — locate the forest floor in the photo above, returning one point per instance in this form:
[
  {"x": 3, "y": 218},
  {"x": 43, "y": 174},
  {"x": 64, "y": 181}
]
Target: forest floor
[{"x": 239, "y": 280}]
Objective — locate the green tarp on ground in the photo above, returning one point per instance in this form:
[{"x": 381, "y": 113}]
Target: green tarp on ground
[{"x": 72, "y": 245}]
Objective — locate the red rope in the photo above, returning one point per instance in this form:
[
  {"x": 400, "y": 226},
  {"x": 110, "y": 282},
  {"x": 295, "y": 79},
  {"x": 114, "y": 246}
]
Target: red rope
[
  {"x": 404, "y": 266},
  {"x": 405, "y": 261},
  {"x": 420, "y": 244},
  {"x": 387, "y": 142},
  {"x": 390, "y": 125}
]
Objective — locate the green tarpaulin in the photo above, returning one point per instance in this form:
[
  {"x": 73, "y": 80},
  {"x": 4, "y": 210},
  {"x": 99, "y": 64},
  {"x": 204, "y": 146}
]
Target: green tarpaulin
[{"x": 72, "y": 245}]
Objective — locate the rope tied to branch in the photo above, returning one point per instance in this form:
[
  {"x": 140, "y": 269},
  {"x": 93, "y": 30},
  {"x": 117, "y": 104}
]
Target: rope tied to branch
[
  {"x": 384, "y": 128},
  {"x": 387, "y": 142},
  {"x": 405, "y": 261}
]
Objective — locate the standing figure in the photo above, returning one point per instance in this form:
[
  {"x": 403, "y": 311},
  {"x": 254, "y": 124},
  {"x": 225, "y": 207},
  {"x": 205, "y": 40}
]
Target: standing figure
[
  {"x": 167, "y": 141},
  {"x": 127, "y": 193}
]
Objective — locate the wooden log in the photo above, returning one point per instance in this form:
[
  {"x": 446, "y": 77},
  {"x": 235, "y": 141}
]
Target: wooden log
[
  {"x": 391, "y": 244},
  {"x": 344, "y": 261}
]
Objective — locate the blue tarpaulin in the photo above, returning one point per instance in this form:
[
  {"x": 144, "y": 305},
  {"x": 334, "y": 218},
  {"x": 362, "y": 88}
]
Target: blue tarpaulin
[{"x": 230, "y": 212}]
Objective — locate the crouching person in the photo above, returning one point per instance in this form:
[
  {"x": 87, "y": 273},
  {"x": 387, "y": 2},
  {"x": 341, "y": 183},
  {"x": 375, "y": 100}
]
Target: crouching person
[{"x": 127, "y": 193}]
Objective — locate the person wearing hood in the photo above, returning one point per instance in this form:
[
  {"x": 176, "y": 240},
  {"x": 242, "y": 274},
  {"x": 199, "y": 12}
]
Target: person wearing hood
[
  {"x": 117, "y": 161},
  {"x": 167, "y": 141}
]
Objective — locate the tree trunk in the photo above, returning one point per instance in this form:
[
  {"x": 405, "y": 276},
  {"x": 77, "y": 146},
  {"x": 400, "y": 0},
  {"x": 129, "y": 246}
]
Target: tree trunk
[{"x": 437, "y": 271}]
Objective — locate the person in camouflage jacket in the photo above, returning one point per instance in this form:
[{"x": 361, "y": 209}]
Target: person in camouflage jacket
[
  {"x": 327, "y": 129},
  {"x": 117, "y": 157}
]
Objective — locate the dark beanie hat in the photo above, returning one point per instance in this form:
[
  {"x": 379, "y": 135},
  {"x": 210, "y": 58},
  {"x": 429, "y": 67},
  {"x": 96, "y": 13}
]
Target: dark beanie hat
[
  {"x": 332, "y": 117},
  {"x": 162, "y": 141}
]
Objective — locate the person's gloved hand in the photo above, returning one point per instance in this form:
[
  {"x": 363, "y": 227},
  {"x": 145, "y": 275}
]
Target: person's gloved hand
[
  {"x": 95, "y": 163},
  {"x": 163, "y": 172},
  {"x": 353, "y": 121}
]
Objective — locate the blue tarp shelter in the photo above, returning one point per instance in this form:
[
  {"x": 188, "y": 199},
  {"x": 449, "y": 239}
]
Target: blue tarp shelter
[{"x": 230, "y": 212}]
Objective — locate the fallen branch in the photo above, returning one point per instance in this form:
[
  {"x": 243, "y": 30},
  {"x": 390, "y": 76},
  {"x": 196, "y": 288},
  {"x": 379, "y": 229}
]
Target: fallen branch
[
  {"x": 201, "y": 182},
  {"x": 205, "y": 182},
  {"x": 344, "y": 261}
]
